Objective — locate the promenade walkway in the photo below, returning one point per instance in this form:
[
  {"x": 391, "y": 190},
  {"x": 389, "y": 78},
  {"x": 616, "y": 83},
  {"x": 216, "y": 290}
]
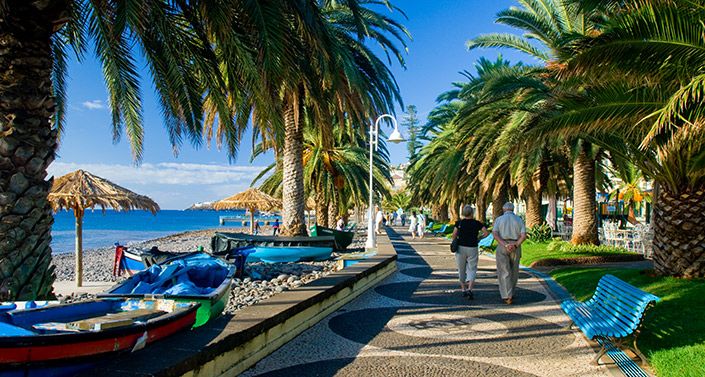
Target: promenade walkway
[{"x": 416, "y": 323}]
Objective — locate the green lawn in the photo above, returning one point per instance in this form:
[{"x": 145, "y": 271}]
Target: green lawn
[
  {"x": 674, "y": 333},
  {"x": 532, "y": 252}
]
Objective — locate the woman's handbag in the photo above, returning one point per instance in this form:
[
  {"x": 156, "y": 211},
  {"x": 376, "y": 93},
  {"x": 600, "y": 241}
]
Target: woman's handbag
[{"x": 454, "y": 245}]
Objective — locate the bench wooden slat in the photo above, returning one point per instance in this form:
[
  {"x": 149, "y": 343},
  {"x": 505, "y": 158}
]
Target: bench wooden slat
[
  {"x": 630, "y": 297},
  {"x": 598, "y": 322},
  {"x": 613, "y": 325},
  {"x": 615, "y": 304},
  {"x": 626, "y": 288}
]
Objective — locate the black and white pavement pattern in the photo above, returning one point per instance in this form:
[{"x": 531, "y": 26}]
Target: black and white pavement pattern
[{"x": 417, "y": 323}]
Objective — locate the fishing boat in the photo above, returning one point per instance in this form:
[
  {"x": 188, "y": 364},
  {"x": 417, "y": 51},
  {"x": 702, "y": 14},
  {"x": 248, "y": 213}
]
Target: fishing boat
[
  {"x": 286, "y": 254},
  {"x": 61, "y": 340},
  {"x": 343, "y": 239},
  {"x": 223, "y": 244},
  {"x": 19, "y": 305},
  {"x": 194, "y": 277},
  {"x": 131, "y": 261}
]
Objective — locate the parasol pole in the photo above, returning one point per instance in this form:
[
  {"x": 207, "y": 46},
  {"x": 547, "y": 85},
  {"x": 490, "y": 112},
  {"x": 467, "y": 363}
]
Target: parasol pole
[
  {"x": 252, "y": 220},
  {"x": 78, "y": 214}
]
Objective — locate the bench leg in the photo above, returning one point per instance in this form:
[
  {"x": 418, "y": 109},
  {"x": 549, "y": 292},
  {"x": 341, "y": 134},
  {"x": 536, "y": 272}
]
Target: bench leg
[
  {"x": 603, "y": 350},
  {"x": 641, "y": 356}
]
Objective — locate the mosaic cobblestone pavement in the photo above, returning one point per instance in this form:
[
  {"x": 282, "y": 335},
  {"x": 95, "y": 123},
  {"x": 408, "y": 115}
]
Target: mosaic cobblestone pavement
[{"x": 416, "y": 323}]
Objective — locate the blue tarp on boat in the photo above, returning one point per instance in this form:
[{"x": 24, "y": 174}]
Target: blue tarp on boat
[{"x": 197, "y": 274}]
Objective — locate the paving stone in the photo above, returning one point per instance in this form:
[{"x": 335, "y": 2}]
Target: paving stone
[{"x": 395, "y": 366}]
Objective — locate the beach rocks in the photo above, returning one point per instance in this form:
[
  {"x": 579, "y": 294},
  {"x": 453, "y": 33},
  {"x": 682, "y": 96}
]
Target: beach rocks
[{"x": 260, "y": 281}]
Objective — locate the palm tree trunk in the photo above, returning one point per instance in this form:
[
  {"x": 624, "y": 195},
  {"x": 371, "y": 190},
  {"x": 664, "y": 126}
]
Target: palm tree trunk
[
  {"x": 333, "y": 210},
  {"x": 480, "y": 210},
  {"x": 679, "y": 233},
  {"x": 533, "y": 206},
  {"x": 584, "y": 203},
  {"x": 450, "y": 212},
  {"x": 440, "y": 212},
  {"x": 501, "y": 196},
  {"x": 321, "y": 208},
  {"x": 27, "y": 147},
  {"x": 293, "y": 172}
]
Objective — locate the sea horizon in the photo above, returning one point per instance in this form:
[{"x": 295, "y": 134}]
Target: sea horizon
[{"x": 104, "y": 229}]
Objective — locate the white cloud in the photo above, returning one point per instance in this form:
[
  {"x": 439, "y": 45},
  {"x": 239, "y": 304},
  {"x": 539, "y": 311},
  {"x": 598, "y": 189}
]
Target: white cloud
[
  {"x": 95, "y": 104},
  {"x": 172, "y": 185}
]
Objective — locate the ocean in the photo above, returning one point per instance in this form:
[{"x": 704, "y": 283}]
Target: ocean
[{"x": 104, "y": 229}]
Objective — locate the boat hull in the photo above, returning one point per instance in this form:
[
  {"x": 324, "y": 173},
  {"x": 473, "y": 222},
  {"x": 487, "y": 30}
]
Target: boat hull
[
  {"x": 133, "y": 261},
  {"x": 343, "y": 239},
  {"x": 289, "y": 254},
  {"x": 224, "y": 244},
  {"x": 211, "y": 305},
  {"x": 60, "y": 353}
]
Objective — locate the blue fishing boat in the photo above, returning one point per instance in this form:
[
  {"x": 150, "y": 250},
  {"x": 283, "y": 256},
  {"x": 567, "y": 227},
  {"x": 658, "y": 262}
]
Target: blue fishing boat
[
  {"x": 223, "y": 244},
  {"x": 284, "y": 254},
  {"x": 194, "y": 277},
  {"x": 61, "y": 340},
  {"x": 130, "y": 261},
  {"x": 20, "y": 305}
]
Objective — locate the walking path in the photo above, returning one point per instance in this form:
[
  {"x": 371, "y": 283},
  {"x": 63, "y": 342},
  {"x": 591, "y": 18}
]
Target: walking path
[{"x": 416, "y": 322}]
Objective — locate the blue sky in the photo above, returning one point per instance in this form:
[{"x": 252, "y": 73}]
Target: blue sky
[{"x": 436, "y": 55}]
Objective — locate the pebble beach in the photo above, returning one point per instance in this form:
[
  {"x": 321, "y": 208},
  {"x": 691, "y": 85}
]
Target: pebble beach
[{"x": 259, "y": 282}]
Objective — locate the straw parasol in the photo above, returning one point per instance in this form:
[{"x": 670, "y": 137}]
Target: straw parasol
[
  {"x": 81, "y": 190},
  {"x": 251, "y": 199}
]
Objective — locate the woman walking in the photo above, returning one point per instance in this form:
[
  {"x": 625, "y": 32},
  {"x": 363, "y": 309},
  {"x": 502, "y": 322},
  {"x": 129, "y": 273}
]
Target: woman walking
[
  {"x": 412, "y": 226},
  {"x": 466, "y": 232},
  {"x": 421, "y": 225}
]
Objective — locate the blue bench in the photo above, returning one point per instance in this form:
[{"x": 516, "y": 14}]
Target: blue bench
[
  {"x": 442, "y": 231},
  {"x": 614, "y": 314}
]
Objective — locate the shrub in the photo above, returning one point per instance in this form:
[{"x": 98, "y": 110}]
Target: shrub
[
  {"x": 567, "y": 247},
  {"x": 540, "y": 233}
]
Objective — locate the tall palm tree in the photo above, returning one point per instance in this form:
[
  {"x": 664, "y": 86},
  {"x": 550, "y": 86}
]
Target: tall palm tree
[
  {"x": 555, "y": 25},
  {"x": 654, "y": 110},
  {"x": 336, "y": 174},
  {"x": 37, "y": 39},
  {"x": 346, "y": 80}
]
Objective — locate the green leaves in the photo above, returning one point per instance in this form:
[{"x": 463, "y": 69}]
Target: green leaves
[{"x": 509, "y": 41}]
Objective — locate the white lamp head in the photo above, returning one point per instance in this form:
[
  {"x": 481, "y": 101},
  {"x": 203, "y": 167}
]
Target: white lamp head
[{"x": 396, "y": 137}]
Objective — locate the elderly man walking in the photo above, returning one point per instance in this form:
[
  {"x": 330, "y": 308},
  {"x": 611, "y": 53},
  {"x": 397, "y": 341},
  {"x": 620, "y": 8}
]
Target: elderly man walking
[{"x": 510, "y": 232}]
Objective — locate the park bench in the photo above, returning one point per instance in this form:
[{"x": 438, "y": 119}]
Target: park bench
[
  {"x": 614, "y": 314},
  {"x": 442, "y": 230}
]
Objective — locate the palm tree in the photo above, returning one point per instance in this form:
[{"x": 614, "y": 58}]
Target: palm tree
[
  {"x": 555, "y": 25},
  {"x": 37, "y": 38},
  {"x": 400, "y": 199},
  {"x": 654, "y": 110},
  {"x": 336, "y": 175},
  {"x": 629, "y": 191},
  {"x": 346, "y": 80}
]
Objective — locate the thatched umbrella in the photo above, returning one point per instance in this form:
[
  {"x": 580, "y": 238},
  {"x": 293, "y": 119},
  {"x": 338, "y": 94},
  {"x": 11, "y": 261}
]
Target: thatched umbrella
[
  {"x": 251, "y": 199},
  {"x": 80, "y": 190}
]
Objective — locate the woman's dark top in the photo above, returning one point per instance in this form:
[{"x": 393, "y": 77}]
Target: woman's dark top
[{"x": 468, "y": 229}]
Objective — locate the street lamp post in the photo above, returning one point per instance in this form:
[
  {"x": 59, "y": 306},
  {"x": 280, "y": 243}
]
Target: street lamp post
[{"x": 395, "y": 137}]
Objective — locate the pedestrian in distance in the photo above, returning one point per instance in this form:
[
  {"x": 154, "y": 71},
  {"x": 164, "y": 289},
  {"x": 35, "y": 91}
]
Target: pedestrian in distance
[
  {"x": 510, "y": 232},
  {"x": 412, "y": 225},
  {"x": 466, "y": 232},
  {"x": 275, "y": 227},
  {"x": 420, "y": 225},
  {"x": 379, "y": 217}
]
